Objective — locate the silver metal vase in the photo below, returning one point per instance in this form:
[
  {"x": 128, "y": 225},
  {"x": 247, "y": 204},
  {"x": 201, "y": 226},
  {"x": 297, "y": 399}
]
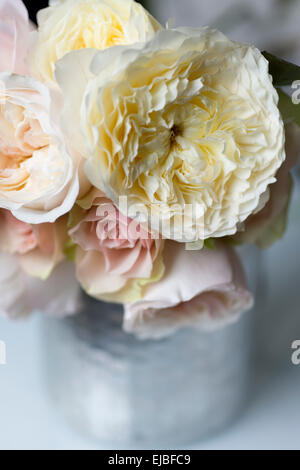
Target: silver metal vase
[{"x": 132, "y": 393}]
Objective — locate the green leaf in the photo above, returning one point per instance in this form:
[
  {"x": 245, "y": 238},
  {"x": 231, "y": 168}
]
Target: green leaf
[
  {"x": 284, "y": 73},
  {"x": 75, "y": 216},
  {"x": 210, "y": 244},
  {"x": 290, "y": 112},
  {"x": 70, "y": 250}
]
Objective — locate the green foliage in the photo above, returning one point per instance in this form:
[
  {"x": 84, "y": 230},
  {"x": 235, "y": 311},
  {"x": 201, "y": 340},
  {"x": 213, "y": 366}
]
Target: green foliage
[
  {"x": 284, "y": 73},
  {"x": 210, "y": 244},
  {"x": 290, "y": 112},
  {"x": 70, "y": 250}
]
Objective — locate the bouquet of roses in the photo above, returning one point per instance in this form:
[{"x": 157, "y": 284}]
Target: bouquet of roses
[{"x": 133, "y": 158}]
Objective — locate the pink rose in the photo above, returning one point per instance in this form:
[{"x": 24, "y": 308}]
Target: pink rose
[
  {"x": 117, "y": 257},
  {"x": 22, "y": 294},
  {"x": 205, "y": 289},
  {"x": 15, "y": 236},
  {"x": 14, "y": 36},
  {"x": 39, "y": 247}
]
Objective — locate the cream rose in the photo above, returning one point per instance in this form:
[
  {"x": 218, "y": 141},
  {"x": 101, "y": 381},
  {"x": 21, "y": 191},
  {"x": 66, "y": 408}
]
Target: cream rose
[
  {"x": 38, "y": 172},
  {"x": 70, "y": 25},
  {"x": 269, "y": 224},
  {"x": 189, "y": 118}
]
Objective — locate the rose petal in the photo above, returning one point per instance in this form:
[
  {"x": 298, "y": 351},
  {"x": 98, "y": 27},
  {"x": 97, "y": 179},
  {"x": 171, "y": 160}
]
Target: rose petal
[
  {"x": 204, "y": 289},
  {"x": 14, "y": 36}
]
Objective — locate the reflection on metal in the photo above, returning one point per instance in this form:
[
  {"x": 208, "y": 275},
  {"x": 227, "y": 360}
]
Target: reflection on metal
[{"x": 148, "y": 393}]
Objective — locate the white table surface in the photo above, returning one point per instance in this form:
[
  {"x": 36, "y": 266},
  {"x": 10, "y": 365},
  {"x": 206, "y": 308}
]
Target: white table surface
[{"x": 29, "y": 420}]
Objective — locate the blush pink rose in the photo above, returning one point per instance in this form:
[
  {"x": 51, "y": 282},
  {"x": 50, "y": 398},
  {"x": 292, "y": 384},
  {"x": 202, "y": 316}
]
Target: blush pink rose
[
  {"x": 14, "y": 36},
  {"x": 39, "y": 247},
  {"x": 15, "y": 236},
  {"x": 204, "y": 289},
  {"x": 116, "y": 255}
]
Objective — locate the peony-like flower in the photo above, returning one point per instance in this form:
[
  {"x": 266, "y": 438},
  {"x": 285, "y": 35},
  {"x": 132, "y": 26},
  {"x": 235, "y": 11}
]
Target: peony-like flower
[
  {"x": 38, "y": 172},
  {"x": 204, "y": 289},
  {"x": 21, "y": 294},
  {"x": 116, "y": 258},
  {"x": 40, "y": 247},
  {"x": 70, "y": 25},
  {"x": 184, "y": 124},
  {"x": 268, "y": 225},
  {"x": 14, "y": 36}
]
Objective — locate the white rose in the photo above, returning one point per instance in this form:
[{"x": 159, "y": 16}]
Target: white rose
[
  {"x": 69, "y": 25},
  {"x": 38, "y": 173},
  {"x": 188, "y": 118}
]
